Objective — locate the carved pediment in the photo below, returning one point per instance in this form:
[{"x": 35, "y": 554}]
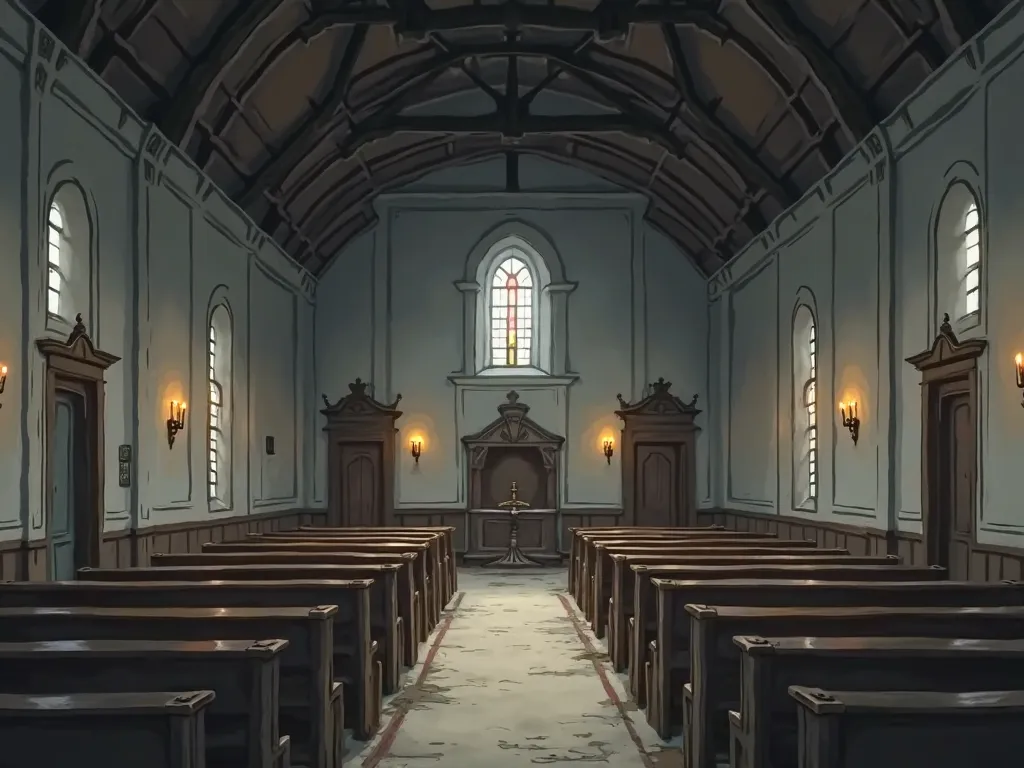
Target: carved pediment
[
  {"x": 78, "y": 346},
  {"x": 947, "y": 349},
  {"x": 358, "y": 404},
  {"x": 513, "y": 427},
  {"x": 658, "y": 401}
]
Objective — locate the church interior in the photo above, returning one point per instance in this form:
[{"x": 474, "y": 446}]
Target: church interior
[{"x": 453, "y": 382}]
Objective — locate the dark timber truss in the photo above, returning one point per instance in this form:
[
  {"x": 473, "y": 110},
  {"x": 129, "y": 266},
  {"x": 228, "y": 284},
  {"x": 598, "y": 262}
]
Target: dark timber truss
[{"x": 721, "y": 113}]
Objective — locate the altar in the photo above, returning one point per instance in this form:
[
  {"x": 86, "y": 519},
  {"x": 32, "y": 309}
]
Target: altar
[{"x": 513, "y": 450}]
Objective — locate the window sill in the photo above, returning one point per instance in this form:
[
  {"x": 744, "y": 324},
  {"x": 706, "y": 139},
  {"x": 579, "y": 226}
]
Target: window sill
[
  {"x": 807, "y": 506},
  {"x": 512, "y": 377},
  {"x": 216, "y": 505}
]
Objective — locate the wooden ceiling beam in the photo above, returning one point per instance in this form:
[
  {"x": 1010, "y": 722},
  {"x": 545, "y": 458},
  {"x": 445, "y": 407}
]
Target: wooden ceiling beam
[
  {"x": 72, "y": 21},
  {"x": 851, "y": 106},
  {"x": 177, "y": 116}
]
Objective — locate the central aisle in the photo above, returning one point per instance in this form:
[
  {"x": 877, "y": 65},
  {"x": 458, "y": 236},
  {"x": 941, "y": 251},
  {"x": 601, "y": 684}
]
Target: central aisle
[{"x": 512, "y": 678}]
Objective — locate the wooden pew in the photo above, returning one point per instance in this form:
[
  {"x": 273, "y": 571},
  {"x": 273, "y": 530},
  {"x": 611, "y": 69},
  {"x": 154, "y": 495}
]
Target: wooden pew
[
  {"x": 608, "y": 573},
  {"x": 895, "y": 729},
  {"x": 386, "y": 625},
  {"x": 598, "y": 568},
  {"x": 672, "y": 597},
  {"x": 765, "y": 734},
  {"x": 104, "y": 730},
  {"x": 589, "y": 540},
  {"x": 436, "y": 565},
  {"x": 311, "y": 706},
  {"x": 422, "y": 566},
  {"x": 355, "y": 665},
  {"x": 578, "y": 547},
  {"x": 242, "y": 725},
  {"x": 447, "y": 533},
  {"x": 645, "y": 623},
  {"x": 620, "y": 590},
  {"x": 410, "y": 606},
  {"x": 576, "y": 532},
  {"x": 712, "y": 665}
]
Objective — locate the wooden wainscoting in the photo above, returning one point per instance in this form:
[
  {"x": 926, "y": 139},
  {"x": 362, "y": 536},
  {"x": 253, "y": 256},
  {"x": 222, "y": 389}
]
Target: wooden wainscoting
[
  {"x": 121, "y": 549},
  {"x": 987, "y": 563}
]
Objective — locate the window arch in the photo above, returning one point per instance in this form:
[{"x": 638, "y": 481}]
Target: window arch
[
  {"x": 805, "y": 406},
  {"x": 57, "y": 252},
  {"x": 512, "y": 311},
  {"x": 959, "y": 256},
  {"x": 218, "y": 467}
]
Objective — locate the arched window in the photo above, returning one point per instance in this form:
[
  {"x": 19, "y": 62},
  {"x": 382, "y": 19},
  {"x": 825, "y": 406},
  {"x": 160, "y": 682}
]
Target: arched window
[
  {"x": 218, "y": 473},
  {"x": 512, "y": 311},
  {"x": 972, "y": 260},
  {"x": 805, "y": 407},
  {"x": 56, "y": 254},
  {"x": 958, "y": 256}
]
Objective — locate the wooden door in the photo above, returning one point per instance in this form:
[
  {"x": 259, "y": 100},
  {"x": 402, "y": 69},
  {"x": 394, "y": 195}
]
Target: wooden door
[
  {"x": 65, "y": 447},
  {"x": 656, "y": 495},
  {"x": 362, "y": 493},
  {"x": 955, "y": 507}
]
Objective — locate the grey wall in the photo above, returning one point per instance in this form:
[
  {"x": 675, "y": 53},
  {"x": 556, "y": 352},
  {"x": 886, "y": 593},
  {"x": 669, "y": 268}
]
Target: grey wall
[
  {"x": 389, "y": 311},
  {"x": 869, "y": 245},
  {"x": 155, "y": 244}
]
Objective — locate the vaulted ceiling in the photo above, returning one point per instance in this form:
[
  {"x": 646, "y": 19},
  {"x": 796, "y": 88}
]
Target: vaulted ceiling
[{"x": 721, "y": 113}]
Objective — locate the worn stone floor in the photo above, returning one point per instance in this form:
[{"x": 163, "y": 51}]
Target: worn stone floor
[{"x": 512, "y": 677}]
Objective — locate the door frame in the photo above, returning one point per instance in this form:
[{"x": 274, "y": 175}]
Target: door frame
[
  {"x": 948, "y": 361},
  {"x": 77, "y": 366}
]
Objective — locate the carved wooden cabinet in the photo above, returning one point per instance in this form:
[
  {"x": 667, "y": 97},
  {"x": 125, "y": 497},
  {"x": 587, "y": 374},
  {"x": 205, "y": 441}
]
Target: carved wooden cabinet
[
  {"x": 513, "y": 448},
  {"x": 360, "y": 458},
  {"x": 659, "y": 458}
]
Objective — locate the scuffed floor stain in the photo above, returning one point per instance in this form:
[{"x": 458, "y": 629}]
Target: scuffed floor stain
[{"x": 512, "y": 684}]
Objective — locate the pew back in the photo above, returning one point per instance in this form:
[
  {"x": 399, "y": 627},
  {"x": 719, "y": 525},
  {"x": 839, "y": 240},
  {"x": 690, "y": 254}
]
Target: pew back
[{"x": 105, "y": 730}]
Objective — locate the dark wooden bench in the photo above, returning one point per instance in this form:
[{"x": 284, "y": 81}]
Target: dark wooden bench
[
  {"x": 709, "y": 660},
  {"x": 311, "y": 705},
  {"x": 599, "y": 570},
  {"x": 583, "y": 563},
  {"x": 104, "y": 730},
  {"x": 644, "y": 626},
  {"x": 354, "y": 657},
  {"x": 436, "y": 565},
  {"x": 896, "y": 729},
  {"x": 242, "y": 725},
  {"x": 410, "y": 606},
  {"x": 765, "y": 734},
  {"x": 422, "y": 567},
  {"x": 447, "y": 533},
  {"x": 645, "y": 623},
  {"x": 386, "y": 625},
  {"x": 615, "y": 595},
  {"x": 575, "y": 539}
]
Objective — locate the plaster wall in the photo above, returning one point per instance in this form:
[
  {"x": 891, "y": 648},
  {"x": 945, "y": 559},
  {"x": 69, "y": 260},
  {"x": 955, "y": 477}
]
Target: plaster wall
[
  {"x": 389, "y": 310},
  {"x": 866, "y": 247},
  {"x": 153, "y": 247}
]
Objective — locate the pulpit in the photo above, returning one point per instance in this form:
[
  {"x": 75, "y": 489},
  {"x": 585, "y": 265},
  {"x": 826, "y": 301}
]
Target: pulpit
[{"x": 513, "y": 449}]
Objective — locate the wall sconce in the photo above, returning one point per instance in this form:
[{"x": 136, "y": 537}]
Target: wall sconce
[
  {"x": 1018, "y": 364},
  {"x": 609, "y": 449},
  {"x": 416, "y": 448},
  {"x": 176, "y": 422},
  {"x": 3, "y": 380},
  {"x": 850, "y": 420}
]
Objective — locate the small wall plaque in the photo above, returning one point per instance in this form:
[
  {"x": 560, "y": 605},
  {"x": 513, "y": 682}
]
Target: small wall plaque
[
  {"x": 124, "y": 466},
  {"x": 270, "y": 445}
]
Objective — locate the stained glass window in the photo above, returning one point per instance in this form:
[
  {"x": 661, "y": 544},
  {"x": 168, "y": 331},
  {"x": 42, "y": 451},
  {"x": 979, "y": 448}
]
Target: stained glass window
[
  {"x": 512, "y": 312},
  {"x": 216, "y": 434},
  {"x": 811, "y": 403}
]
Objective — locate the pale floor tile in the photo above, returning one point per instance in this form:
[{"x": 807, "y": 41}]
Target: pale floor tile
[{"x": 512, "y": 684}]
